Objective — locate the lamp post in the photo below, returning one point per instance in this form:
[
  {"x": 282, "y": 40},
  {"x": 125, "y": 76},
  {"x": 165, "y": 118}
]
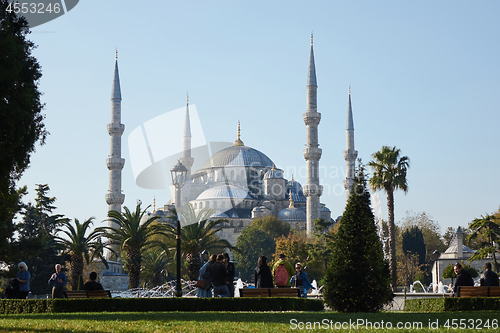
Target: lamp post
[
  {"x": 436, "y": 252},
  {"x": 179, "y": 175}
]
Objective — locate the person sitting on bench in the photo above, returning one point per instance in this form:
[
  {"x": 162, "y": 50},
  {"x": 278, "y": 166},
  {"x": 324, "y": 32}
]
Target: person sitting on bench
[{"x": 93, "y": 284}]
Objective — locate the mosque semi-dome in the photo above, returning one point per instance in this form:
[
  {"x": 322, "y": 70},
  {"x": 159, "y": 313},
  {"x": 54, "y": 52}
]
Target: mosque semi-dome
[{"x": 224, "y": 192}]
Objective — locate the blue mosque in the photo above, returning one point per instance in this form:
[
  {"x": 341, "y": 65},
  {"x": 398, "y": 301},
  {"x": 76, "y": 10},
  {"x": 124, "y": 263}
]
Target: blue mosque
[{"x": 240, "y": 183}]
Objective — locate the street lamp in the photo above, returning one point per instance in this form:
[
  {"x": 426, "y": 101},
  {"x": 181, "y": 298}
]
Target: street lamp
[
  {"x": 179, "y": 175},
  {"x": 437, "y": 253}
]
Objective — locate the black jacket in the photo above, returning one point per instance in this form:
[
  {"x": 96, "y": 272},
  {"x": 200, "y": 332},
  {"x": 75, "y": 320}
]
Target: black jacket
[
  {"x": 489, "y": 278},
  {"x": 263, "y": 277},
  {"x": 219, "y": 274},
  {"x": 463, "y": 279}
]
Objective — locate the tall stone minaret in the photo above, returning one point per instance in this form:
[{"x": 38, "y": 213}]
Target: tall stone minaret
[
  {"x": 350, "y": 154},
  {"x": 115, "y": 162},
  {"x": 186, "y": 158},
  {"x": 312, "y": 152}
]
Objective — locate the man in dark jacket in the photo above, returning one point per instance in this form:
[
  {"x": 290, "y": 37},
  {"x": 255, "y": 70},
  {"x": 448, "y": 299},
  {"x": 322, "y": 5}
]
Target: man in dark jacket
[
  {"x": 219, "y": 275},
  {"x": 463, "y": 279},
  {"x": 230, "y": 274},
  {"x": 489, "y": 278},
  {"x": 93, "y": 284}
]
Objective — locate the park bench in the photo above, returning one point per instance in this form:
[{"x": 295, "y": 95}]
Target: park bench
[
  {"x": 270, "y": 292},
  {"x": 478, "y": 291},
  {"x": 87, "y": 294}
]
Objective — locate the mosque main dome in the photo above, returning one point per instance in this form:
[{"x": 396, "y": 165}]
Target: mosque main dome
[{"x": 238, "y": 156}]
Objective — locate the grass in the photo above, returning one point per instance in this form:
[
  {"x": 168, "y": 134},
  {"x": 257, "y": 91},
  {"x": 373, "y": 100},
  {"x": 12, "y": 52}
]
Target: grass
[{"x": 233, "y": 321}]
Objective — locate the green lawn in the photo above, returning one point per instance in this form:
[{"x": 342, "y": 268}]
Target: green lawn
[{"x": 244, "y": 322}]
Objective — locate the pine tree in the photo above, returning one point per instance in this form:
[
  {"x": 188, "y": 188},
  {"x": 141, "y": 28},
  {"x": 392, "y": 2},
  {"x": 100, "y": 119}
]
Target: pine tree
[{"x": 357, "y": 278}]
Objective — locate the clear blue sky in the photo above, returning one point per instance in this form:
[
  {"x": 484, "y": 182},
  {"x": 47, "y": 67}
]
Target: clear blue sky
[{"x": 424, "y": 77}]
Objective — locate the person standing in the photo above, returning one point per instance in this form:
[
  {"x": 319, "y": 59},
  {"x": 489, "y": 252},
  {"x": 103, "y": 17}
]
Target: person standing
[
  {"x": 219, "y": 276},
  {"x": 489, "y": 278},
  {"x": 282, "y": 272},
  {"x": 231, "y": 273},
  {"x": 300, "y": 280},
  {"x": 23, "y": 277},
  {"x": 58, "y": 281},
  {"x": 463, "y": 279},
  {"x": 93, "y": 284},
  {"x": 206, "y": 275},
  {"x": 263, "y": 276}
]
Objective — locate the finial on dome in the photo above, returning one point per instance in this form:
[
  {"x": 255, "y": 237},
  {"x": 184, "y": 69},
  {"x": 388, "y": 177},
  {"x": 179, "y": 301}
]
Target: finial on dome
[
  {"x": 238, "y": 141},
  {"x": 273, "y": 167},
  {"x": 292, "y": 177},
  {"x": 154, "y": 204},
  {"x": 187, "y": 98},
  {"x": 291, "y": 199}
]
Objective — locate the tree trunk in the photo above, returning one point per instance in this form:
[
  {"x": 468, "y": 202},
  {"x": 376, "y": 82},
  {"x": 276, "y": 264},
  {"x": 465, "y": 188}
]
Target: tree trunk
[
  {"x": 392, "y": 239},
  {"x": 134, "y": 267},
  {"x": 76, "y": 270}
]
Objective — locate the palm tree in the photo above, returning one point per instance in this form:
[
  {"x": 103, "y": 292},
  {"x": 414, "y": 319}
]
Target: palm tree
[
  {"x": 389, "y": 174},
  {"x": 132, "y": 237},
  {"x": 79, "y": 247},
  {"x": 154, "y": 268},
  {"x": 489, "y": 227},
  {"x": 199, "y": 234}
]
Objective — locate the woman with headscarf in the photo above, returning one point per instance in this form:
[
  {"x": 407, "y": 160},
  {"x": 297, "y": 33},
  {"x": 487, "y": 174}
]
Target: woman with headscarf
[
  {"x": 23, "y": 277},
  {"x": 263, "y": 276}
]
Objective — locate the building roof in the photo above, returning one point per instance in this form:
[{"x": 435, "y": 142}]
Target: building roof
[{"x": 238, "y": 156}]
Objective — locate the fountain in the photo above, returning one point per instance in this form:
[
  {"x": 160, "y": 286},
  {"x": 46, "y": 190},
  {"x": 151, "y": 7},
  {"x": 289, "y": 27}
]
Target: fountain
[
  {"x": 239, "y": 285},
  {"x": 315, "y": 291},
  {"x": 412, "y": 287}
]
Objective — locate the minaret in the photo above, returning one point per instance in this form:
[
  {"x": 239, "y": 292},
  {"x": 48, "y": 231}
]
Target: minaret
[
  {"x": 350, "y": 154},
  {"x": 186, "y": 158},
  {"x": 312, "y": 152},
  {"x": 115, "y": 162}
]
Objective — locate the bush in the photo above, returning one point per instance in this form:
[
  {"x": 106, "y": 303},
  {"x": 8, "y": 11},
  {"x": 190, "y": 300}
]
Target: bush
[
  {"x": 452, "y": 304},
  {"x": 159, "y": 304},
  {"x": 357, "y": 278}
]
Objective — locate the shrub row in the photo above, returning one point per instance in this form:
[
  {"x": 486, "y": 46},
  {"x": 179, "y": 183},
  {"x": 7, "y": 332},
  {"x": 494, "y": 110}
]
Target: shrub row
[
  {"x": 453, "y": 304},
  {"x": 11, "y": 306}
]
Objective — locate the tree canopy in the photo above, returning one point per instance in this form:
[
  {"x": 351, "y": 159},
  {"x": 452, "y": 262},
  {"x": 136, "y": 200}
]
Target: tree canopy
[
  {"x": 357, "y": 278},
  {"x": 21, "y": 120}
]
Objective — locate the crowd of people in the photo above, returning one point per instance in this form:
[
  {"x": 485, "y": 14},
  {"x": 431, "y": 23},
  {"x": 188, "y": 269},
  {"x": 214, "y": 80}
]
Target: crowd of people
[{"x": 217, "y": 275}]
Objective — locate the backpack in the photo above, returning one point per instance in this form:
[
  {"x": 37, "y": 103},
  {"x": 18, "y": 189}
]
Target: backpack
[{"x": 281, "y": 276}]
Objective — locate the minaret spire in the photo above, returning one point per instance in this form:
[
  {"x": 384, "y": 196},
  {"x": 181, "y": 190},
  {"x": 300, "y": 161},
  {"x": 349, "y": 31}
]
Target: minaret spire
[
  {"x": 186, "y": 158},
  {"x": 350, "y": 154},
  {"x": 312, "y": 152},
  {"x": 114, "y": 197}
]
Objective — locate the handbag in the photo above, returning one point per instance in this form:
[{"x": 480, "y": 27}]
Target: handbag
[{"x": 201, "y": 284}]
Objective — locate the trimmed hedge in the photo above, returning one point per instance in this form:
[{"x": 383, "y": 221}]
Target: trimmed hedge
[
  {"x": 452, "y": 304},
  {"x": 11, "y": 306}
]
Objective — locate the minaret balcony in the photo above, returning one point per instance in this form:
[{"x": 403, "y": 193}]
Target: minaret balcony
[
  {"x": 350, "y": 155},
  {"x": 311, "y": 118},
  {"x": 116, "y": 129},
  {"x": 113, "y": 199},
  {"x": 312, "y": 154},
  {"x": 115, "y": 163},
  {"x": 312, "y": 190}
]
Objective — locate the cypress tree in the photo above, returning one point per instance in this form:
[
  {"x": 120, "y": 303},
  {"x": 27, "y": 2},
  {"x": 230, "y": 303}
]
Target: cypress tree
[
  {"x": 413, "y": 243},
  {"x": 357, "y": 278}
]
